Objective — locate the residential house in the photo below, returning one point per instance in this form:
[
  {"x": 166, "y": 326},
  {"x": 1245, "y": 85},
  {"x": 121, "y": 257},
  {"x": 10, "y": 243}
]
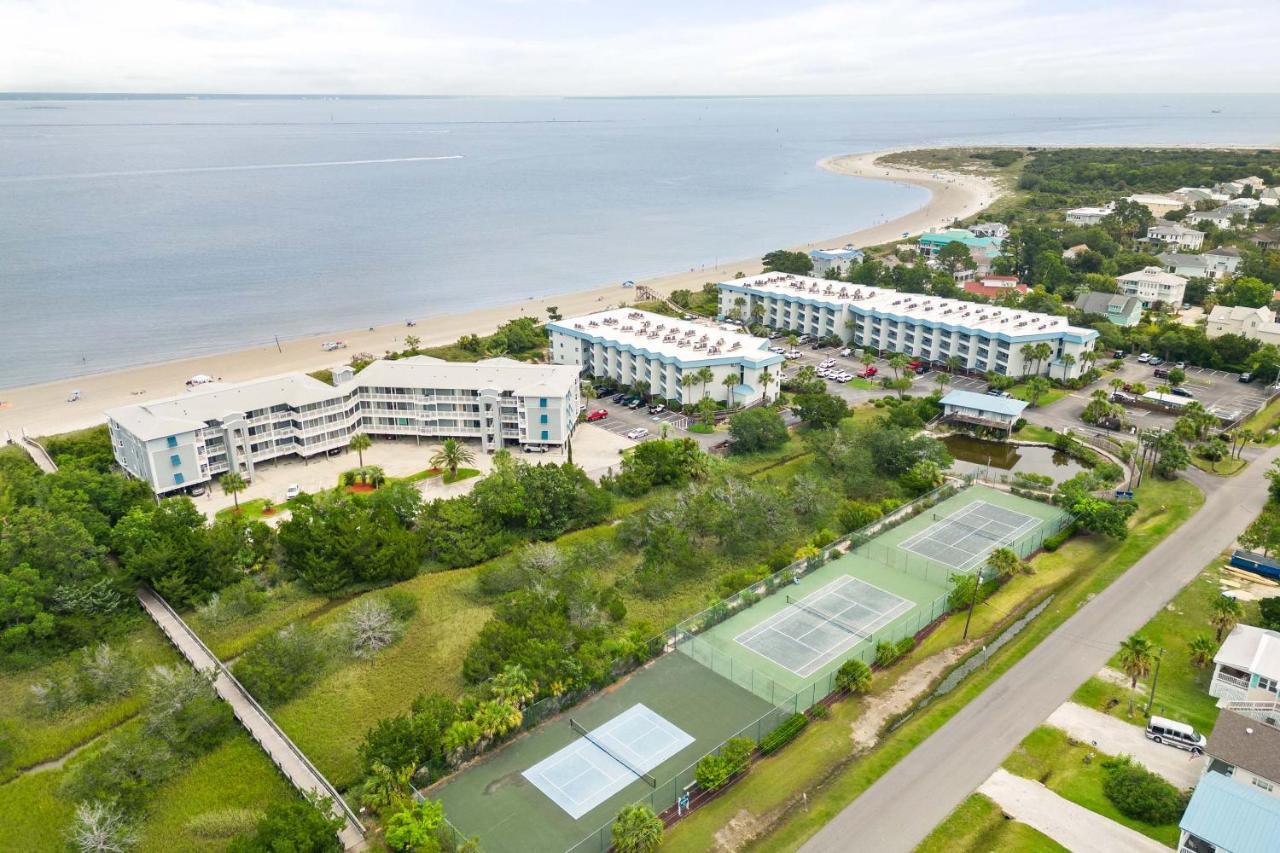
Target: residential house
[
  {"x": 1159, "y": 205},
  {"x": 933, "y": 328},
  {"x": 1174, "y": 235},
  {"x": 985, "y": 410},
  {"x": 1213, "y": 264},
  {"x": 1235, "y": 807},
  {"x": 995, "y": 286},
  {"x": 1088, "y": 215},
  {"x": 1270, "y": 196},
  {"x": 1266, "y": 240},
  {"x": 1229, "y": 188},
  {"x": 930, "y": 243},
  {"x": 834, "y": 259},
  {"x": 1192, "y": 195},
  {"x": 1221, "y": 217},
  {"x": 1074, "y": 252},
  {"x": 1237, "y": 320},
  {"x": 1247, "y": 666},
  {"x": 1152, "y": 285},
  {"x": 1119, "y": 309},
  {"x": 1245, "y": 206},
  {"x": 635, "y": 348},
  {"x": 990, "y": 229}
]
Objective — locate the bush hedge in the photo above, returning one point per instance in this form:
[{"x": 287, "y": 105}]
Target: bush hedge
[{"x": 783, "y": 734}]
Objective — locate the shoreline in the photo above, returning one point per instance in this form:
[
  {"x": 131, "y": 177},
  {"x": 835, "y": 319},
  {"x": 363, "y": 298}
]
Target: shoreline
[{"x": 42, "y": 409}]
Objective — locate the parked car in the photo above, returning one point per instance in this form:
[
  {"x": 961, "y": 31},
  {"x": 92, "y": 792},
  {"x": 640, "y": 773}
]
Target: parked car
[
  {"x": 916, "y": 364},
  {"x": 921, "y": 370},
  {"x": 535, "y": 448},
  {"x": 657, "y": 409},
  {"x": 602, "y": 390},
  {"x": 292, "y": 492},
  {"x": 1245, "y": 378},
  {"x": 1155, "y": 359},
  {"x": 635, "y": 403},
  {"x": 778, "y": 350},
  {"x": 197, "y": 491},
  {"x": 1118, "y": 354},
  {"x": 1162, "y": 373},
  {"x": 846, "y": 352},
  {"x": 618, "y": 398},
  {"x": 1174, "y": 733},
  {"x": 1182, "y": 365},
  {"x": 795, "y": 353},
  {"x": 637, "y": 433},
  {"x": 598, "y": 415},
  {"x": 1144, "y": 358},
  {"x": 1182, "y": 392},
  {"x": 868, "y": 372}
]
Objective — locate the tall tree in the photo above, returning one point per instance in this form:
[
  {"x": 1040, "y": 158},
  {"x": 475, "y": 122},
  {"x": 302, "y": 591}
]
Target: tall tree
[
  {"x": 233, "y": 484},
  {"x": 451, "y": 455},
  {"x": 1224, "y": 616},
  {"x": 1136, "y": 658},
  {"x": 360, "y": 442}
]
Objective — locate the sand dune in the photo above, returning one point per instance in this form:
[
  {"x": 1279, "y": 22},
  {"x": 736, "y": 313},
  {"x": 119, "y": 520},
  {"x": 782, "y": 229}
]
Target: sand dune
[{"x": 43, "y": 409}]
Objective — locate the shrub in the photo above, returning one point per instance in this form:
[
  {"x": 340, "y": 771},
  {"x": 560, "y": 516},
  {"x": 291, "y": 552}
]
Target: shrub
[
  {"x": 886, "y": 653},
  {"x": 637, "y": 830},
  {"x": 854, "y": 515},
  {"x": 711, "y": 773},
  {"x": 370, "y": 626},
  {"x": 757, "y": 430},
  {"x": 223, "y": 823},
  {"x": 854, "y": 676},
  {"x": 1140, "y": 794},
  {"x": 1054, "y": 542},
  {"x": 786, "y": 732},
  {"x": 1270, "y": 608},
  {"x": 281, "y": 665},
  {"x": 238, "y": 601},
  {"x": 293, "y": 825}
]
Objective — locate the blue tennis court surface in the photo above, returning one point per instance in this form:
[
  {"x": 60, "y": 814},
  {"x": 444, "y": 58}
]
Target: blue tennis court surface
[{"x": 582, "y": 775}]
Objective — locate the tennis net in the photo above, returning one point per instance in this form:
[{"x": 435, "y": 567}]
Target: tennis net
[
  {"x": 573, "y": 724},
  {"x": 981, "y": 531},
  {"x": 827, "y": 617}
]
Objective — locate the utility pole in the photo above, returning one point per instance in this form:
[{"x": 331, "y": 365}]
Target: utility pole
[
  {"x": 973, "y": 600},
  {"x": 1154, "y": 678}
]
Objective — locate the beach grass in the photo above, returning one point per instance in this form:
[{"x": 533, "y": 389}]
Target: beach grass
[
  {"x": 1050, "y": 757},
  {"x": 979, "y": 826},
  {"x": 33, "y": 817}
]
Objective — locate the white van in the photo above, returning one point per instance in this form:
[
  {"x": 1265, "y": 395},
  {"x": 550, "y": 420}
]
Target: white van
[{"x": 1176, "y": 734}]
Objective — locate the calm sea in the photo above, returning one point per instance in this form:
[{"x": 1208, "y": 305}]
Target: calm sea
[{"x": 135, "y": 230}]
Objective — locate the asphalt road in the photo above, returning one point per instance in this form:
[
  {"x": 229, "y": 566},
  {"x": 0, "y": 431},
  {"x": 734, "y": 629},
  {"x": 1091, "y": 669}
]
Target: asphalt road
[{"x": 904, "y": 805}]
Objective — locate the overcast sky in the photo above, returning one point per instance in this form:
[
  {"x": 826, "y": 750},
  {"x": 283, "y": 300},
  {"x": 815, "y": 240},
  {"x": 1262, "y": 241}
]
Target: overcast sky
[{"x": 639, "y": 47}]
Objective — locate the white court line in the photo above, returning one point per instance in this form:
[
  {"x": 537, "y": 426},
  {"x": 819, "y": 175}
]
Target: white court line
[{"x": 955, "y": 518}]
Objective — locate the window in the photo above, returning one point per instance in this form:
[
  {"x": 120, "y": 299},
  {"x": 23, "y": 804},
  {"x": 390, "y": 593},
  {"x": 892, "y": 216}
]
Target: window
[
  {"x": 1268, "y": 684},
  {"x": 173, "y": 441},
  {"x": 1262, "y": 783},
  {"x": 178, "y": 479},
  {"x": 542, "y": 419},
  {"x": 175, "y": 460},
  {"x": 545, "y": 435},
  {"x": 542, "y": 402}
]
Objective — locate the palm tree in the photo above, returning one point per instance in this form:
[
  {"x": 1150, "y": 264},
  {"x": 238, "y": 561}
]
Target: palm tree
[
  {"x": 233, "y": 484},
  {"x": 868, "y": 357},
  {"x": 1201, "y": 650},
  {"x": 1116, "y": 384},
  {"x": 898, "y": 361},
  {"x": 637, "y": 830},
  {"x": 688, "y": 379},
  {"x": 1028, "y": 352},
  {"x": 1243, "y": 436},
  {"x": 729, "y": 382},
  {"x": 766, "y": 379},
  {"x": 1224, "y": 616},
  {"x": 411, "y": 342},
  {"x": 942, "y": 379},
  {"x": 451, "y": 454},
  {"x": 955, "y": 363},
  {"x": 1068, "y": 360},
  {"x": 360, "y": 443},
  {"x": 792, "y": 340},
  {"x": 1042, "y": 351},
  {"x": 375, "y": 476},
  {"x": 704, "y": 376},
  {"x": 1003, "y": 563},
  {"x": 1136, "y": 658}
]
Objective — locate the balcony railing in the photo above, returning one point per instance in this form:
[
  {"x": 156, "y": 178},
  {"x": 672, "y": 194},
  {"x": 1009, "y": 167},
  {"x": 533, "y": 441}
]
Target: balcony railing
[{"x": 1242, "y": 683}]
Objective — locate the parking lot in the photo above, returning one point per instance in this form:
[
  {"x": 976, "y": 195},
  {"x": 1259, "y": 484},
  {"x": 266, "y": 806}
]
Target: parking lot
[
  {"x": 851, "y": 392},
  {"x": 622, "y": 420}
]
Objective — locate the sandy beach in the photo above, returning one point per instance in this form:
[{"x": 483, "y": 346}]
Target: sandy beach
[{"x": 44, "y": 409}]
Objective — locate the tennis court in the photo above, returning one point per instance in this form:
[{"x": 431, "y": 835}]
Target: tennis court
[
  {"x": 607, "y": 759},
  {"x": 816, "y": 629},
  {"x": 964, "y": 538}
]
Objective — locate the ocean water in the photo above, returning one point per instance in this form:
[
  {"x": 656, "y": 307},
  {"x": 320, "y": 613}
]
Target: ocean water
[{"x": 136, "y": 230}]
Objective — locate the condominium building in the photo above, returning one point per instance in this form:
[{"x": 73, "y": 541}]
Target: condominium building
[
  {"x": 1152, "y": 285},
  {"x": 183, "y": 441},
  {"x": 984, "y": 337},
  {"x": 1088, "y": 215},
  {"x": 837, "y": 260},
  {"x": 656, "y": 353}
]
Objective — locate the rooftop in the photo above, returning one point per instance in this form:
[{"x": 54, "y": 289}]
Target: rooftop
[
  {"x": 1251, "y": 649},
  {"x": 954, "y": 313},
  {"x": 1247, "y": 743},
  {"x": 960, "y": 235},
  {"x": 1234, "y": 313},
  {"x": 844, "y": 253},
  {"x": 984, "y": 402},
  {"x": 1153, "y": 275},
  {"x": 1173, "y": 228},
  {"x": 216, "y": 401},
  {"x": 1095, "y": 302},
  {"x": 665, "y": 336},
  {"x": 1233, "y": 816}
]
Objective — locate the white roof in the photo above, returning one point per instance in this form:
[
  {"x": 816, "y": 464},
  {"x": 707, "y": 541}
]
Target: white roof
[
  {"x": 1091, "y": 211},
  {"x": 1236, "y": 313},
  {"x": 1251, "y": 649},
  {"x": 193, "y": 409},
  {"x": 1153, "y": 275},
  {"x": 1153, "y": 198},
  {"x": 683, "y": 340},
  {"x": 1173, "y": 228},
  {"x": 914, "y": 306}
]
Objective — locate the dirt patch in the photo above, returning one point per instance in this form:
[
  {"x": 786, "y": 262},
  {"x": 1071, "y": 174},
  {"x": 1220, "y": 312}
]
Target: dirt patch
[
  {"x": 898, "y": 699},
  {"x": 738, "y": 832},
  {"x": 512, "y": 779},
  {"x": 1113, "y": 676}
]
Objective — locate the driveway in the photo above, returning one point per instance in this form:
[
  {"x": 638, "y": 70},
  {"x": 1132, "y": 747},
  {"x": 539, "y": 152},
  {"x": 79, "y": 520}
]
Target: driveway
[
  {"x": 1116, "y": 737},
  {"x": 1072, "y": 826},
  {"x": 900, "y": 809}
]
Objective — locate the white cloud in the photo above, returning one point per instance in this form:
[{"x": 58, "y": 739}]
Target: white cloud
[{"x": 843, "y": 47}]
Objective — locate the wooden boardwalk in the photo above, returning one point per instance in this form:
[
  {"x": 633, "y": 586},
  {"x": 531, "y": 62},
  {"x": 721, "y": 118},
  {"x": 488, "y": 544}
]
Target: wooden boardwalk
[{"x": 286, "y": 755}]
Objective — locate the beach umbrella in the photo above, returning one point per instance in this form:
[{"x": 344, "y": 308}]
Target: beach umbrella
[{"x": 199, "y": 379}]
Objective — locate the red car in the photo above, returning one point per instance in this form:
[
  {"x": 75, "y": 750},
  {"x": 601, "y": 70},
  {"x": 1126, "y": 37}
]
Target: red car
[
  {"x": 868, "y": 372},
  {"x": 917, "y": 364},
  {"x": 598, "y": 415}
]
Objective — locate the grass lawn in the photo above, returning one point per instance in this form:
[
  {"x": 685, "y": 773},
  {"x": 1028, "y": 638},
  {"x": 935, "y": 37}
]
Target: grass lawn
[
  {"x": 704, "y": 429},
  {"x": 1035, "y": 432},
  {"x": 1225, "y": 467},
  {"x": 978, "y": 826},
  {"x": 832, "y": 778},
  {"x": 1267, "y": 419},
  {"x": 1182, "y": 689},
  {"x": 33, "y": 818},
  {"x": 459, "y": 475},
  {"x": 862, "y": 384},
  {"x": 1048, "y": 756},
  {"x": 252, "y": 510},
  {"x": 1051, "y": 396}
]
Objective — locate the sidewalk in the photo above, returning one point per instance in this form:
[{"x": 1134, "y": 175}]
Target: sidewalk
[{"x": 1072, "y": 826}]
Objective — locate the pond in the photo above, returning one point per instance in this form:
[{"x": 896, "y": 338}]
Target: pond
[{"x": 976, "y": 454}]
